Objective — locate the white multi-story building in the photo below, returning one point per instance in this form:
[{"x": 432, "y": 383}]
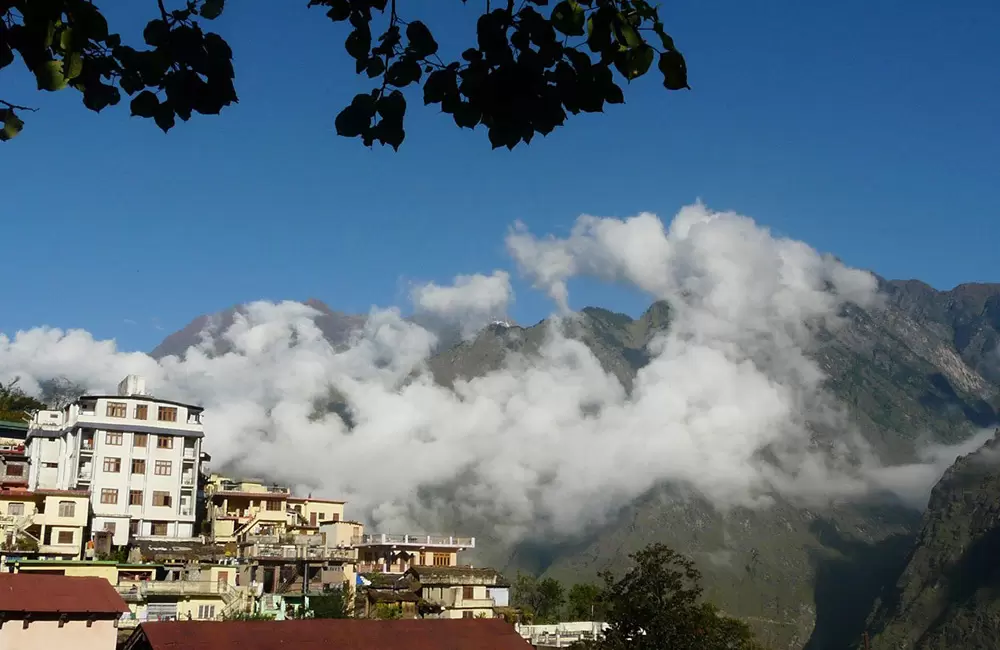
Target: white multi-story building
[{"x": 138, "y": 456}]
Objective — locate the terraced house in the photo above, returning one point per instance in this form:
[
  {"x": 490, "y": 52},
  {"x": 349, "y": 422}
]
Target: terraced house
[{"x": 137, "y": 456}]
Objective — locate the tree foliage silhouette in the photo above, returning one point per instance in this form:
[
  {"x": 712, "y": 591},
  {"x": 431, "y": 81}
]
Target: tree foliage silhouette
[{"x": 530, "y": 67}]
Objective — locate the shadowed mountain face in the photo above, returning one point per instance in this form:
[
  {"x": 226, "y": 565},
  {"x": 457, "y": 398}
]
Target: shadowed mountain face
[
  {"x": 921, "y": 368},
  {"x": 948, "y": 594}
]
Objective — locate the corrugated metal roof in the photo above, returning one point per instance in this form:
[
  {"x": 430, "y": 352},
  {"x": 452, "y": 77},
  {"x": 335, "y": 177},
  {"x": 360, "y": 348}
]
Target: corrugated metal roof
[
  {"x": 33, "y": 593},
  {"x": 341, "y": 634}
]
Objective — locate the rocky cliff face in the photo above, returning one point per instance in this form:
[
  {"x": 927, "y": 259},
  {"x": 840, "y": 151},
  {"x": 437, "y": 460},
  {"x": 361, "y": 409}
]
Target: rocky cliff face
[{"x": 948, "y": 594}]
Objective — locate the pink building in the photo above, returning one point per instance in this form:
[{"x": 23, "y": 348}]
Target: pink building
[{"x": 54, "y": 611}]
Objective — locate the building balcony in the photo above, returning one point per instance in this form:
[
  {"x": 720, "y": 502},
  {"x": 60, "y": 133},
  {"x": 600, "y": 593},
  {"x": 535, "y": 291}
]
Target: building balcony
[
  {"x": 183, "y": 588},
  {"x": 292, "y": 552},
  {"x": 59, "y": 549},
  {"x": 474, "y": 603},
  {"x": 12, "y": 450},
  {"x": 438, "y": 541},
  {"x": 130, "y": 593},
  {"x": 189, "y": 454},
  {"x": 187, "y": 480}
]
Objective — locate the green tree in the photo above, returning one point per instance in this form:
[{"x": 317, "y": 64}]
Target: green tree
[
  {"x": 584, "y": 603},
  {"x": 336, "y": 603},
  {"x": 657, "y": 605},
  {"x": 527, "y": 69},
  {"x": 541, "y": 599},
  {"x": 15, "y": 405}
]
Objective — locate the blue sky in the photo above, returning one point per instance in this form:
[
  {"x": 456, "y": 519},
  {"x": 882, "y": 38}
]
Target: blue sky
[{"x": 868, "y": 130}]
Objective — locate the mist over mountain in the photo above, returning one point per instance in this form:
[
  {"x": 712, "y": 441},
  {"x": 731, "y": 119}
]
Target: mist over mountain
[{"x": 775, "y": 414}]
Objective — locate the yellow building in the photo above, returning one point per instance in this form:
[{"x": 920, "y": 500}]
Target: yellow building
[
  {"x": 43, "y": 523},
  {"x": 240, "y": 508}
]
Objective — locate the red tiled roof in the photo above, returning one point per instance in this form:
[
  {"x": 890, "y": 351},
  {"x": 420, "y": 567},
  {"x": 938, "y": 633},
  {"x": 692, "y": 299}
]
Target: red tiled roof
[
  {"x": 27, "y": 592},
  {"x": 342, "y": 634}
]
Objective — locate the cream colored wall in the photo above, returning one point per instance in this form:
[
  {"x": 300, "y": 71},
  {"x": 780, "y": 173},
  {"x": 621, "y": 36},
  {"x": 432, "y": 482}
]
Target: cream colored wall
[
  {"x": 324, "y": 511},
  {"x": 191, "y": 605},
  {"x": 29, "y": 505},
  {"x": 101, "y": 635},
  {"x": 80, "y": 516},
  {"x": 230, "y": 572}
]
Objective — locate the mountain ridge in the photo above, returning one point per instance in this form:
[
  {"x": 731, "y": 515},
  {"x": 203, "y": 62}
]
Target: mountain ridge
[{"x": 917, "y": 369}]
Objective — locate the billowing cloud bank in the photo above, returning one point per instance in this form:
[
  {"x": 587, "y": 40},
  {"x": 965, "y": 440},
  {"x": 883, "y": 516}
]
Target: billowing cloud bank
[{"x": 729, "y": 405}]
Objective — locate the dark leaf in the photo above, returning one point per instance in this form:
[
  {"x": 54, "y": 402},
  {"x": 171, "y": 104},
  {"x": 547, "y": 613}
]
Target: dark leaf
[
  {"x": 145, "y": 104},
  {"x": 89, "y": 20},
  {"x": 376, "y": 66},
  {"x": 359, "y": 43},
  {"x": 212, "y": 9},
  {"x": 569, "y": 18},
  {"x": 339, "y": 10},
  {"x": 420, "y": 40},
  {"x": 439, "y": 85},
  {"x": 100, "y": 96},
  {"x": 674, "y": 70},
  {"x": 156, "y": 33},
  {"x": 6, "y": 55},
  {"x": 356, "y": 118},
  {"x": 634, "y": 63},
  {"x": 164, "y": 117},
  {"x": 113, "y": 41},
  {"x": 668, "y": 43},
  {"x": 403, "y": 72},
  {"x": 391, "y": 107}
]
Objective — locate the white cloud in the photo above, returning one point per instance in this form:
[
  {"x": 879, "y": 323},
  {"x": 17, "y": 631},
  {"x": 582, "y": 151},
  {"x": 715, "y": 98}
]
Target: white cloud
[
  {"x": 469, "y": 304},
  {"x": 549, "y": 443}
]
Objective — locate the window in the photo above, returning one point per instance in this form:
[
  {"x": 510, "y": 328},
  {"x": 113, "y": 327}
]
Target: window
[
  {"x": 117, "y": 409},
  {"x": 112, "y": 465},
  {"x": 15, "y": 470},
  {"x": 67, "y": 509},
  {"x": 162, "y": 499},
  {"x": 139, "y": 439},
  {"x": 138, "y": 466},
  {"x": 159, "y": 528},
  {"x": 135, "y": 497},
  {"x": 466, "y": 614},
  {"x": 166, "y": 414},
  {"x": 141, "y": 411},
  {"x": 164, "y": 442},
  {"x": 133, "y": 527},
  {"x": 109, "y": 496},
  {"x": 442, "y": 559},
  {"x": 206, "y": 611},
  {"x": 110, "y": 527},
  {"x": 273, "y": 505},
  {"x": 15, "y": 509},
  {"x": 162, "y": 468},
  {"x": 64, "y": 537},
  {"x": 468, "y": 593},
  {"x": 113, "y": 437}
]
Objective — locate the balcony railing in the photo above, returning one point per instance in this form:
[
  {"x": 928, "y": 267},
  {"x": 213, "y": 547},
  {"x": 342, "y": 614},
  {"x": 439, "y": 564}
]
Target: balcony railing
[
  {"x": 183, "y": 588},
  {"x": 187, "y": 479},
  {"x": 291, "y": 552},
  {"x": 189, "y": 453},
  {"x": 384, "y": 539}
]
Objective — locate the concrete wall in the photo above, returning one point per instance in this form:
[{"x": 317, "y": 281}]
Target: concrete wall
[{"x": 45, "y": 634}]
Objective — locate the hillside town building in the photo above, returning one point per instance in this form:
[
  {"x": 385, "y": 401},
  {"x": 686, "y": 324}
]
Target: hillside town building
[
  {"x": 116, "y": 488},
  {"x": 138, "y": 456},
  {"x": 54, "y": 611}
]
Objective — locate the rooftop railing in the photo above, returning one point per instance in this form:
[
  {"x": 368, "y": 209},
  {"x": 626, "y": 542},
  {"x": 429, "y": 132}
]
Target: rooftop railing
[{"x": 383, "y": 539}]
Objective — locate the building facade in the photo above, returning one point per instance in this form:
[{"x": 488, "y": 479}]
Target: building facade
[
  {"x": 139, "y": 458},
  {"x": 43, "y": 524}
]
